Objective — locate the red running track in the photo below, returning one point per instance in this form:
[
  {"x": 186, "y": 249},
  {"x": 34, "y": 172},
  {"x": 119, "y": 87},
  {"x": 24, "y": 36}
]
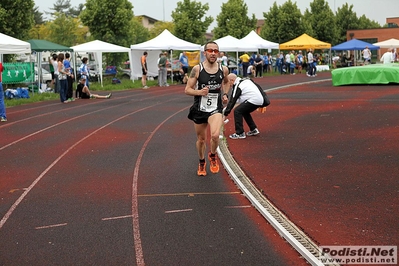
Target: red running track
[{"x": 328, "y": 158}]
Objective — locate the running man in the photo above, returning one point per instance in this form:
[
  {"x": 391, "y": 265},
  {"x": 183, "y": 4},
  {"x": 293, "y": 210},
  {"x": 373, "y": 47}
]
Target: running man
[{"x": 208, "y": 83}]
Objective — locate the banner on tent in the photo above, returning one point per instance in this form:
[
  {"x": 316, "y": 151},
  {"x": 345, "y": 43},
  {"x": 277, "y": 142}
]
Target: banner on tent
[
  {"x": 193, "y": 58},
  {"x": 16, "y": 73}
]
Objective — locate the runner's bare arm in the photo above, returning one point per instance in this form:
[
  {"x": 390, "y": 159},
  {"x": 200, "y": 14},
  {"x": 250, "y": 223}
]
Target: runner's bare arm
[{"x": 192, "y": 82}]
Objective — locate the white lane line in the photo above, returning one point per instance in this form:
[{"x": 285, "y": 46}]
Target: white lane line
[
  {"x": 66, "y": 109},
  {"x": 60, "y": 123},
  {"x": 176, "y": 211},
  {"x": 238, "y": 207},
  {"x": 135, "y": 211},
  {"x": 47, "y": 128},
  {"x": 19, "y": 200},
  {"x": 116, "y": 218},
  {"x": 50, "y": 226}
]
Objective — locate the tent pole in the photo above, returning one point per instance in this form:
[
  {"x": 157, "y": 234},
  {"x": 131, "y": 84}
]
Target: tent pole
[
  {"x": 238, "y": 68},
  {"x": 131, "y": 65},
  {"x": 171, "y": 68},
  {"x": 39, "y": 70}
]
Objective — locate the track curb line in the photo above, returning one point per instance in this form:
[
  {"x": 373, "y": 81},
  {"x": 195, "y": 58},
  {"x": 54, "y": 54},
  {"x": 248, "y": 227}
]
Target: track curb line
[{"x": 286, "y": 228}]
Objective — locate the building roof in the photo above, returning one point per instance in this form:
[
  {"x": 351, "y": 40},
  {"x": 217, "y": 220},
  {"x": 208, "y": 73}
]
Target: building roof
[{"x": 148, "y": 17}]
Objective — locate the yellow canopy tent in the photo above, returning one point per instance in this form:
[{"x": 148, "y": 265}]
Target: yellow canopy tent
[{"x": 304, "y": 42}]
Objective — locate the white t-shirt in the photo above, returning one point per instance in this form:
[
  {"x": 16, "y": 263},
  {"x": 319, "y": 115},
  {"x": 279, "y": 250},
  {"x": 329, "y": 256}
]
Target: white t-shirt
[
  {"x": 287, "y": 58},
  {"x": 249, "y": 69},
  {"x": 249, "y": 92},
  {"x": 310, "y": 57},
  {"x": 224, "y": 60},
  {"x": 55, "y": 66},
  {"x": 386, "y": 58},
  {"x": 366, "y": 54}
]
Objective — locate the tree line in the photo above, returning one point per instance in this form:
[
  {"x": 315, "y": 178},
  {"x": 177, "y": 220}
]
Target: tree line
[{"x": 114, "y": 22}]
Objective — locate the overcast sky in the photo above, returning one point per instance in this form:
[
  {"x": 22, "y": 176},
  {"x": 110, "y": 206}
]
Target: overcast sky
[{"x": 162, "y": 9}]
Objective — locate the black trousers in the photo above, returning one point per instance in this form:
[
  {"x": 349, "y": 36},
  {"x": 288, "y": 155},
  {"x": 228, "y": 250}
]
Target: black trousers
[
  {"x": 69, "y": 88},
  {"x": 243, "y": 111},
  {"x": 259, "y": 69},
  {"x": 244, "y": 69}
]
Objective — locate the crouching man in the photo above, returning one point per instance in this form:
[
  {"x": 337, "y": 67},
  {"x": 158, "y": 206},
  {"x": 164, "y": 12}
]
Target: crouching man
[{"x": 250, "y": 96}]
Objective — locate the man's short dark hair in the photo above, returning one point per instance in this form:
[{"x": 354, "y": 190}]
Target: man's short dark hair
[
  {"x": 206, "y": 45},
  {"x": 145, "y": 53}
]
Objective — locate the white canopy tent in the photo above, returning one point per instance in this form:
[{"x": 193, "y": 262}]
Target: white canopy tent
[
  {"x": 10, "y": 45},
  {"x": 232, "y": 44},
  {"x": 261, "y": 43},
  {"x": 391, "y": 43},
  {"x": 98, "y": 48},
  {"x": 165, "y": 41}
]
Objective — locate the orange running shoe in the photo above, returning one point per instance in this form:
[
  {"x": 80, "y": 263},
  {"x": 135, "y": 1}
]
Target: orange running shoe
[
  {"x": 201, "y": 169},
  {"x": 214, "y": 164}
]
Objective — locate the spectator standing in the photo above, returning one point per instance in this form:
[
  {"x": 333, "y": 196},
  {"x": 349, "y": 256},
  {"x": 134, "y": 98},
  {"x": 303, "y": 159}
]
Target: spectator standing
[
  {"x": 159, "y": 69},
  {"x": 252, "y": 58},
  {"x": 62, "y": 76},
  {"x": 270, "y": 63},
  {"x": 277, "y": 63},
  {"x": 84, "y": 70},
  {"x": 68, "y": 68},
  {"x": 281, "y": 63},
  {"x": 162, "y": 64},
  {"x": 54, "y": 63},
  {"x": 51, "y": 60},
  {"x": 209, "y": 85},
  {"x": 265, "y": 62},
  {"x": 144, "y": 70},
  {"x": 316, "y": 61},
  {"x": 292, "y": 67},
  {"x": 310, "y": 63},
  {"x": 258, "y": 65},
  {"x": 184, "y": 63},
  {"x": 292, "y": 56},
  {"x": 3, "y": 115},
  {"x": 245, "y": 63},
  {"x": 299, "y": 60},
  {"x": 224, "y": 59},
  {"x": 387, "y": 57},
  {"x": 366, "y": 56},
  {"x": 288, "y": 62}
]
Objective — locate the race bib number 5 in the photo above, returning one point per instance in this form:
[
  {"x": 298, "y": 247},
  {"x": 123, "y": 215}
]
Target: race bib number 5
[{"x": 209, "y": 102}]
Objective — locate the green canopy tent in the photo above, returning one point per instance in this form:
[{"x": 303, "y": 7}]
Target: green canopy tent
[
  {"x": 46, "y": 46},
  {"x": 40, "y": 46}
]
